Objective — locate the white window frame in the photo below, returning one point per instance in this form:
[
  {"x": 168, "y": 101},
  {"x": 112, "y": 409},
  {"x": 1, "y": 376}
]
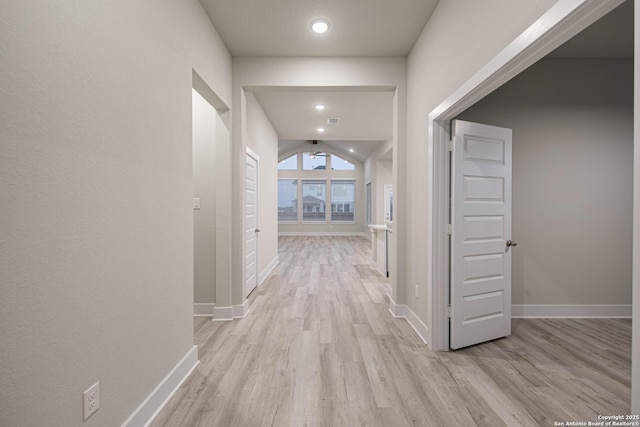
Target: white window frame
[
  {"x": 294, "y": 221},
  {"x": 296, "y": 155},
  {"x": 331, "y": 154},
  {"x": 327, "y": 218},
  {"x": 325, "y": 154},
  {"x": 355, "y": 193}
]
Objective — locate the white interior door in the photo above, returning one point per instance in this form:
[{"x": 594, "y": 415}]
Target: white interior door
[
  {"x": 480, "y": 245},
  {"x": 251, "y": 223}
]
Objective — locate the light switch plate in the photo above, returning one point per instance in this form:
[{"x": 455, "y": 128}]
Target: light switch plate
[{"x": 196, "y": 203}]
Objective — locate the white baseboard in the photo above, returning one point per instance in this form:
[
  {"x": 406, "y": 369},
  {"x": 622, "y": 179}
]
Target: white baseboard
[
  {"x": 203, "y": 309},
  {"x": 267, "y": 271},
  {"x": 322, "y": 233},
  {"x": 397, "y": 310},
  {"x": 241, "y": 311},
  {"x": 375, "y": 268},
  {"x": 153, "y": 404},
  {"x": 570, "y": 311},
  {"x": 401, "y": 311},
  {"x": 226, "y": 314},
  {"x": 222, "y": 313},
  {"x": 417, "y": 324}
]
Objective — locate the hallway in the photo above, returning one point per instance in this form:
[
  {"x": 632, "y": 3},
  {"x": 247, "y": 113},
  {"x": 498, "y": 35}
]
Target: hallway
[{"x": 319, "y": 347}]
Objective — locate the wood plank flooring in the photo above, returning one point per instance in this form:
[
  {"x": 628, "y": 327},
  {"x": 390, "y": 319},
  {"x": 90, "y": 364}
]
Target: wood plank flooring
[{"x": 320, "y": 348}]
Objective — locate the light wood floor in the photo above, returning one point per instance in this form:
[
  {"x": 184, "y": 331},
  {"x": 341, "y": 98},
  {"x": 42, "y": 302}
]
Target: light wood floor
[{"x": 320, "y": 348}]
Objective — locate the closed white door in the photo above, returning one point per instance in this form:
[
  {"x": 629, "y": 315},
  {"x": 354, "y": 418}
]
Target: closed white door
[
  {"x": 251, "y": 223},
  {"x": 481, "y": 233}
]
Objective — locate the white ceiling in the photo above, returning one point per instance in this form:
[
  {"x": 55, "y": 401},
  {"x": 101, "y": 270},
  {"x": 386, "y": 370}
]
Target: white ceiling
[
  {"x": 358, "y": 28},
  {"x": 362, "y": 115},
  {"x": 366, "y": 118},
  {"x": 282, "y": 27}
]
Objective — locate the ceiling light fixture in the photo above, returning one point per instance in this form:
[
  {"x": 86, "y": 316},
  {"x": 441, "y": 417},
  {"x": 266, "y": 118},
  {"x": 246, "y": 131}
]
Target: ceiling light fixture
[
  {"x": 319, "y": 25},
  {"x": 320, "y": 107},
  {"x": 351, "y": 150},
  {"x": 320, "y": 130}
]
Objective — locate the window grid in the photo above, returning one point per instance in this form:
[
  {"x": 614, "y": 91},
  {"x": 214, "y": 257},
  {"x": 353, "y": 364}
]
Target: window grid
[
  {"x": 289, "y": 164},
  {"x": 314, "y": 161},
  {"x": 340, "y": 164},
  {"x": 314, "y": 199},
  {"x": 307, "y": 202},
  {"x": 343, "y": 200}
]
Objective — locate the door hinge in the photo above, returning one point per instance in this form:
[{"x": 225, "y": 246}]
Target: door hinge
[
  {"x": 449, "y": 228},
  {"x": 450, "y": 311},
  {"x": 450, "y": 145}
]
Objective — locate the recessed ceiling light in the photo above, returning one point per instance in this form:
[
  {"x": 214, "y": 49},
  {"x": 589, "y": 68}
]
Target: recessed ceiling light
[
  {"x": 351, "y": 150},
  {"x": 320, "y": 130},
  {"x": 320, "y": 107},
  {"x": 319, "y": 25}
]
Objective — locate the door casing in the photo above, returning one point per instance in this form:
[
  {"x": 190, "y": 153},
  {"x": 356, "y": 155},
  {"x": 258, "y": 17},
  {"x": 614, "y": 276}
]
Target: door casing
[{"x": 560, "y": 23}]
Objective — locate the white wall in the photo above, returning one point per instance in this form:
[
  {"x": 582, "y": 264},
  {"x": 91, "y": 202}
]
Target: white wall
[
  {"x": 459, "y": 39},
  {"x": 360, "y": 225},
  {"x": 96, "y": 201},
  {"x": 572, "y": 122},
  {"x": 384, "y": 176},
  {"x": 263, "y": 140},
  {"x": 379, "y": 171}
]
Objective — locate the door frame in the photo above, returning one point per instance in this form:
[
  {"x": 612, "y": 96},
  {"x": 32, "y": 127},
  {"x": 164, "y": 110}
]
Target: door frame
[
  {"x": 250, "y": 153},
  {"x": 560, "y": 23}
]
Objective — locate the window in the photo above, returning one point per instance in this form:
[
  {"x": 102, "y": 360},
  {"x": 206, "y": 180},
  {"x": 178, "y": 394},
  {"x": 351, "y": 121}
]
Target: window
[
  {"x": 314, "y": 161},
  {"x": 343, "y": 200},
  {"x": 287, "y": 200},
  {"x": 313, "y": 200},
  {"x": 340, "y": 164},
  {"x": 289, "y": 164},
  {"x": 307, "y": 192}
]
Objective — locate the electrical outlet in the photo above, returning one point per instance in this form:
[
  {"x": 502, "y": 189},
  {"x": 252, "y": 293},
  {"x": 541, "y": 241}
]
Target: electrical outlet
[
  {"x": 91, "y": 400},
  {"x": 417, "y": 291}
]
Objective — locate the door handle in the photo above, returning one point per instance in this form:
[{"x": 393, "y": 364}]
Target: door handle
[
  {"x": 511, "y": 243},
  {"x": 258, "y": 230}
]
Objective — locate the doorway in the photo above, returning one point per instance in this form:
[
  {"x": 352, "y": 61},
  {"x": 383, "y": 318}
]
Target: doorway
[
  {"x": 212, "y": 211},
  {"x": 551, "y": 30},
  {"x": 204, "y": 206}
]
